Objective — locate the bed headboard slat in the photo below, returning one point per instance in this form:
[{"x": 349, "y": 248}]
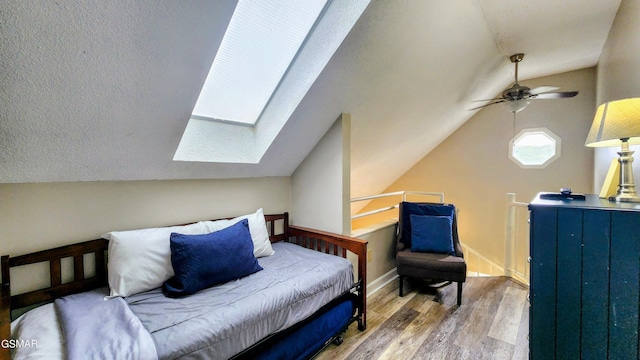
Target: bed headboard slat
[
  {"x": 4, "y": 264},
  {"x": 275, "y": 223},
  {"x": 52, "y": 293},
  {"x": 54, "y": 257},
  {"x": 78, "y": 267},
  {"x": 55, "y": 271},
  {"x": 82, "y": 248}
]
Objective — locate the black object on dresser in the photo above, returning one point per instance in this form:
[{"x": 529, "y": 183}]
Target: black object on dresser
[{"x": 585, "y": 279}]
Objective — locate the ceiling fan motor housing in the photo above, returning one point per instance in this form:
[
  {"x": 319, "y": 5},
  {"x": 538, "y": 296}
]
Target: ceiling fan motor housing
[{"x": 517, "y": 92}]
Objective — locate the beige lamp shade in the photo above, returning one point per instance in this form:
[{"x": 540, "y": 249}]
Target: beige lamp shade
[{"x": 615, "y": 120}]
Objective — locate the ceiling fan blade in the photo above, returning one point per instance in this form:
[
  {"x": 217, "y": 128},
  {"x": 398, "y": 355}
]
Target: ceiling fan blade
[
  {"x": 556, "y": 95},
  {"x": 494, "y": 99},
  {"x": 543, "y": 89},
  {"x": 495, "y": 102}
]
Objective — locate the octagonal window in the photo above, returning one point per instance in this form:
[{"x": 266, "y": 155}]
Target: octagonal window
[{"x": 534, "y": 148}]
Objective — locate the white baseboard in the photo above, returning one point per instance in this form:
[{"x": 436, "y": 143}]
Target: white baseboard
[{"x": 380, "y": 282}]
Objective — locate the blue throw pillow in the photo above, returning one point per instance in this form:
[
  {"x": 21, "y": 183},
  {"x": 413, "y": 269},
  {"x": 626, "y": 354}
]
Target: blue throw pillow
[
  {"x": 201, "y": 261},
  {"x": 409, "y": 208},
  {"x": 432, "y": 234}
]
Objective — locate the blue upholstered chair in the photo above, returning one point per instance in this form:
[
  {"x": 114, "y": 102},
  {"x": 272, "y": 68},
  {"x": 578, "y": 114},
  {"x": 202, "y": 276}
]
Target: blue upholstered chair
[{"x": 428, "y": 246}]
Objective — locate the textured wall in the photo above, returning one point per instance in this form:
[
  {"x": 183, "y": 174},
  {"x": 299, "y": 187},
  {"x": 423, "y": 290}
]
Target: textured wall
[{"x": 101, "y": 90}]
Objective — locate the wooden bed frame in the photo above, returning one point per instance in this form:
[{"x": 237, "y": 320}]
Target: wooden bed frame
[{"x": 322, "y": 241}]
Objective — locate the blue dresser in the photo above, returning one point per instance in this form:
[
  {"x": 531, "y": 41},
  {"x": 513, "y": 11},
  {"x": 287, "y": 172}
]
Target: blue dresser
[{"x": 585, "y": 279}]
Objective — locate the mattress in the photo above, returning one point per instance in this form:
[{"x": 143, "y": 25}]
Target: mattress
[{"x": 221, "y": 321}]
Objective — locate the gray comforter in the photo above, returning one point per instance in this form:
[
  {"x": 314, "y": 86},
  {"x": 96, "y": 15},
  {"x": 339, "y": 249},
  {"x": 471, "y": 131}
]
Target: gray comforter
[
  {"x": 221, "y": 321},
  {"x": 94, "y": 328}
]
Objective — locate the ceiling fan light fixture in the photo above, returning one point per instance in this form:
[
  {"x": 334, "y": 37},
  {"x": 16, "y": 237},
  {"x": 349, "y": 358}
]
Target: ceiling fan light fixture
[
  {"x": 517, "y": 97},
  {"x": 516, "y": 105}
]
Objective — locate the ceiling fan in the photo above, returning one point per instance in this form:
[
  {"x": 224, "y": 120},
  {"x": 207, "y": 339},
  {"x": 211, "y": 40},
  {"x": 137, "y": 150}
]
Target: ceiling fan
[{"x": 517, "y": 97}]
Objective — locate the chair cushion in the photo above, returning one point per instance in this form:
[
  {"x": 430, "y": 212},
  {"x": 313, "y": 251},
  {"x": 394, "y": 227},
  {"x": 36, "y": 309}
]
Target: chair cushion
[
  {"x": 432, "y": 234},
  {"x": 431, "y": 266}
]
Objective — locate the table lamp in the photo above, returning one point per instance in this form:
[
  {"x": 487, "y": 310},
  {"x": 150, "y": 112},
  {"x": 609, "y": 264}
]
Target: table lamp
[{"x": 617, "y": 123}]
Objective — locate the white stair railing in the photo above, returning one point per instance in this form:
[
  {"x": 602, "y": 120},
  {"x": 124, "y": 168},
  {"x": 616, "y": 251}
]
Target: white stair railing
[
  {"x": 479, "y": 265},
  {"x": 516, "y": 251},
  {"x": 404, "y": 194}
]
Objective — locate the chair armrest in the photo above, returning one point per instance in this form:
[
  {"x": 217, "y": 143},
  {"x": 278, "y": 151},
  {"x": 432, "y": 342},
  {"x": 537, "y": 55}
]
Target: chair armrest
[{"x": 459, "y": 250}]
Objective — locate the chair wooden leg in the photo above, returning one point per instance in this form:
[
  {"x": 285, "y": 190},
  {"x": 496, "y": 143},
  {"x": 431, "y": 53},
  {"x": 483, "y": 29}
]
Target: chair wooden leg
[
  {"x": 459, "y": 293},
  {"x": 400, "y": 287}
]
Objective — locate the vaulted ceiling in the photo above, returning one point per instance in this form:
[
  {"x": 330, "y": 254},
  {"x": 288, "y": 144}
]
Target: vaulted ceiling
[{"x": 102, "y": 90}]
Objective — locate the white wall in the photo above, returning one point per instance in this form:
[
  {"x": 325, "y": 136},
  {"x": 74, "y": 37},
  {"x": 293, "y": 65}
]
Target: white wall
[
  {"x": 37, "y": 216},
  {"x": 619, "y": 77},
  {"x": 320, "y": 186}
]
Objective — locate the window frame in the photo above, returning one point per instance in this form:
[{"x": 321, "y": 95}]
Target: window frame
[{"x": 543, "y": 130}]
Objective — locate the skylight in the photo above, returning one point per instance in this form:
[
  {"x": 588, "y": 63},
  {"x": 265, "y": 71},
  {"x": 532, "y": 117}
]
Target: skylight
[
  {"x": 209, "y": 141},
  {"x": 258, "y": 47}
]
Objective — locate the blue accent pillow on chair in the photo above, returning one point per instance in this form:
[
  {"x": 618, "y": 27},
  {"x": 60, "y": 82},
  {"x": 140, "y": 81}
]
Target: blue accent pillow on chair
[
  {"x": 201, "y": 261},
  {"x": 409, "y": 208},
  {"x": 432, "y": 234}
]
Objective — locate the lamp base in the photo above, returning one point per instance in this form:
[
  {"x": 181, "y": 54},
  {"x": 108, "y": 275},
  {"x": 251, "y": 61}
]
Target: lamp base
[
  {"x": 625, "y": 198},
  {"x": 626, "y": 187}
]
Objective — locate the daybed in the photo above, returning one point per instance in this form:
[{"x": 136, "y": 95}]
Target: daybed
[{"x": 293, "y": 303}]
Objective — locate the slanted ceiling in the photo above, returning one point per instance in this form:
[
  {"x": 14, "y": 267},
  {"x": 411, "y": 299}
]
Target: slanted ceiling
[{"x": 102, "y": 90}]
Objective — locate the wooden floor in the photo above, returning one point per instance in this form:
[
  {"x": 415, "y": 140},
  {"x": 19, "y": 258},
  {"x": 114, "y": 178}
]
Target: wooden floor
[{"x": 492, "y": 323}]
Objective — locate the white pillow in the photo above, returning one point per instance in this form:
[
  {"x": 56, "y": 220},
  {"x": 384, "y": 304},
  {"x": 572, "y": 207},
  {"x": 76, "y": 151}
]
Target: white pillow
[
  {"x": 257, "y": 228},
  {"x": 140, "y": 260}
]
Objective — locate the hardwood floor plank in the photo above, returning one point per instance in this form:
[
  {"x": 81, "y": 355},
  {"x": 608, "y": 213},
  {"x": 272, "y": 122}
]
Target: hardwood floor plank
[
  {"x": 483, "y": 311},
  {"x": 521, "y": 351},
  {"x": 389, "y": 301},
  {"x": 352, "y": 338},
  {"x": 427, "y": 323},
  {"x": 376, "y": 343},
  {"x": 380, "y": 307},
  {"x": 410, "y": 340},
  {"x": 507, "y": 320},
  {"x": 442, "y": 344},
  {"x": 458, "y": 353},
  {"x": 494, "y": 349},
  {"x": 437, "y": 346}
]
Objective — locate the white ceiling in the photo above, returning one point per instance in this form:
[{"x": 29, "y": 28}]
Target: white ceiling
[{"x": 103, "y": 90}]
